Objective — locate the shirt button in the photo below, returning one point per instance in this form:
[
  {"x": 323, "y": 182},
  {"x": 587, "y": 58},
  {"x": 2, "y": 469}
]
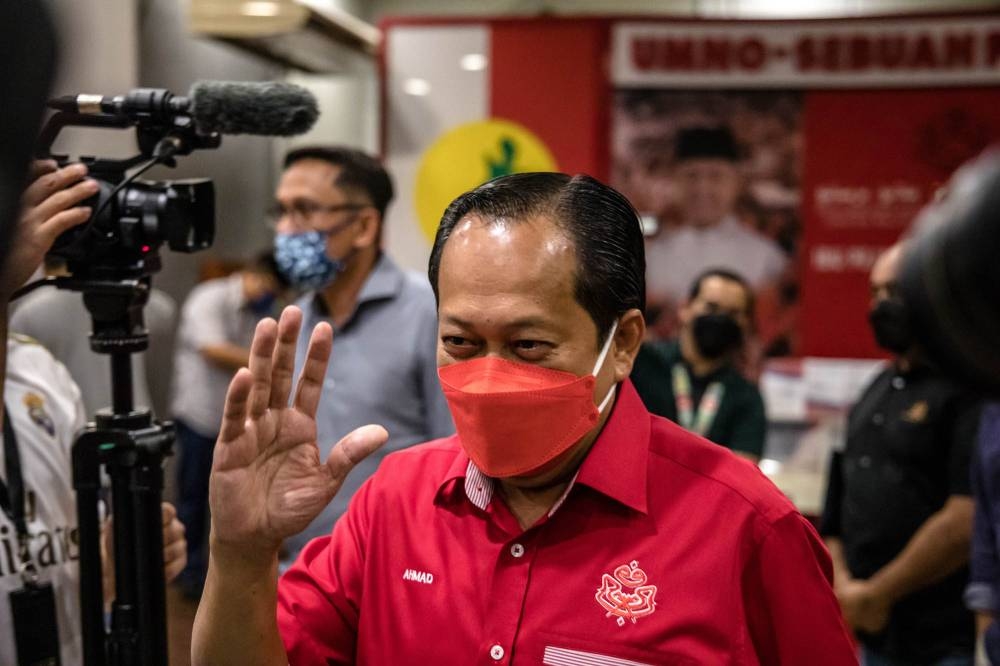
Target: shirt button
[
  {"x": 496, "y": 652},
  {"x": 517, "y": 550},
  {"x": 865, "y": 461},
  {"x": 898, "y": 383},
  {"x": 878, "y": 419}
]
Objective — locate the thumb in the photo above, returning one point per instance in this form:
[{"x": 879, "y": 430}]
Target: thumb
[{"x": 355, "y": 447}]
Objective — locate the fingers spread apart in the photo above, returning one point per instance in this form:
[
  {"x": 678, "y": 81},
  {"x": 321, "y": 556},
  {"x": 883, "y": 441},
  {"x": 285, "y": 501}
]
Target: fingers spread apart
[
  {"x": 261, "y": 349},
  {"x": 310, "y": 386},
  {"x": 234, "y": 414},
  {"x": 283, "y": 359}
]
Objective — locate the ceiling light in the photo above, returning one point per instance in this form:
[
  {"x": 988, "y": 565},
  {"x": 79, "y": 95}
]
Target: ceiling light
[
  {"x": 260, "y": 8},
  {"x": 414, "y": 86},
  {"x": 473, "y": 62}
]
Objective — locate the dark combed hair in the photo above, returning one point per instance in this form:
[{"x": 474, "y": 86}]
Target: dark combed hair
[
  {"x": 600, "y": 222},
  {"x": 729, "y": 276},
  {"x": 359, "y": 171}
]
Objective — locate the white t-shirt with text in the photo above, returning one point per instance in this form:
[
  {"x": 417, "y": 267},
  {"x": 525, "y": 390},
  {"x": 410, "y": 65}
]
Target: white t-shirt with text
[{"x": 46, "y": 412}]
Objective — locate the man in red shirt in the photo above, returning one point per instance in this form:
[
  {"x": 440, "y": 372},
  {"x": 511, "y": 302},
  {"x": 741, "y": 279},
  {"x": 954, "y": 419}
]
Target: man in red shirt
[{"x": 563, "y": 524}]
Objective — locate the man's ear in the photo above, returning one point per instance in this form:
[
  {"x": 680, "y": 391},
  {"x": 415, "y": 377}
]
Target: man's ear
[
  {"x": 629, "y": 335},
  {"x": 685, "y": 312},
  {"x": 369, "y": 222}
]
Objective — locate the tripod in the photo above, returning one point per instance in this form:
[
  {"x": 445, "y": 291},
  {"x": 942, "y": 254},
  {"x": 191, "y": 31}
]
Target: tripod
[{"x": 130, "y": 446}]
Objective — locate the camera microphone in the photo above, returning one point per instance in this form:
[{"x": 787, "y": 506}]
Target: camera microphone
[
  {"x": 272, "y": 109},
  {"x": 228, "y": 107}
]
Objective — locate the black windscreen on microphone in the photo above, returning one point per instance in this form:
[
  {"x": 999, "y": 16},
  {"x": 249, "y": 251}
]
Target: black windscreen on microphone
[{"x": 237, "y": 107}]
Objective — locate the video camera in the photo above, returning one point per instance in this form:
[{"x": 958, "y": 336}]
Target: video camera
[
  {"x": 111, "y": 259},
  {"x": 133, "y": 218}
]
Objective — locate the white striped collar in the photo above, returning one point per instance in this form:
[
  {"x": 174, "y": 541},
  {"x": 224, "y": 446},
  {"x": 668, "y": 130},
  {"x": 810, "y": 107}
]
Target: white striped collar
[{"x": 480, "y": 488}]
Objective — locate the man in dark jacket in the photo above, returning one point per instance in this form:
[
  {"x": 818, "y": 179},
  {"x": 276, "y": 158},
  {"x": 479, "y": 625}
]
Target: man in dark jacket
[{"x": 898, "y": 515}]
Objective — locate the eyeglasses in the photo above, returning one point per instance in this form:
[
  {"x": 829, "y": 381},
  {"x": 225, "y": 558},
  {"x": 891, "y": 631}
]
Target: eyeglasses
[{"x": 302, "y": 212}]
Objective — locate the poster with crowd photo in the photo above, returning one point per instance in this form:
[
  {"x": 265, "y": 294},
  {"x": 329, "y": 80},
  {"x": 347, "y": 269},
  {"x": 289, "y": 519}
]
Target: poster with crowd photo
[
  {"x": 794, "y": 153},
  {"x": 717, "y": 179}
]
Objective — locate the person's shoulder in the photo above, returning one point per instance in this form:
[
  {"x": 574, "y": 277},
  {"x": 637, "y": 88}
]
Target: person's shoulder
[
  {"x": 208, "y": 289},
  {"x": 657, "y": 356},
  {"x": 29, "y": 363},
  {"x": 669, "y": 350},
  {"x": 42, "y": 296},
  {"x": 716, "y": 471},
  {"x": 416, "y": 285},
  {"x": 957, "y": 400},
  {"x": 944, "y": 384},
  {"x": 879, "y": 377},
  {"x": 46, "y": 304},
  {"x": 738, "y": 386},
  {"x": 415, "y": 296},
  {"x": 26, "y": 351}
]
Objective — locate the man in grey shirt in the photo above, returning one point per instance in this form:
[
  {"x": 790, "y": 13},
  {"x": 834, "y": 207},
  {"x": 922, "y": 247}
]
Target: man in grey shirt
[{"x": 329, "y": 212}]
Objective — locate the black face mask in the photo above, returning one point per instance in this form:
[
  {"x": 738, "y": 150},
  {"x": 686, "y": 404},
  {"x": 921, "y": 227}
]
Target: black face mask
[
  {"x": 716, "y": 335},
  {"x": 890, "y": 322}
]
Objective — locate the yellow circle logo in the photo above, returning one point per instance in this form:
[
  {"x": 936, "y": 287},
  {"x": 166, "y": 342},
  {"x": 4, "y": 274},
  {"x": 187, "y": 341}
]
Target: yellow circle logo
[{"x": 469, "y": 155}]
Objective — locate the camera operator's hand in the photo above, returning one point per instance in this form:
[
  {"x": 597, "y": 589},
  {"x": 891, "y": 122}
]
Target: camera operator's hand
[
  {"x": 174, "y": 549},
  {"x": 268, "y": 482},
  {"x": 49, "y": 207},
  {"x": 174, "y": 543}
]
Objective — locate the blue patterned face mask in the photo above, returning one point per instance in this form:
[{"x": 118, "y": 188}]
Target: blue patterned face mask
[{"x": 302, "y": 259}]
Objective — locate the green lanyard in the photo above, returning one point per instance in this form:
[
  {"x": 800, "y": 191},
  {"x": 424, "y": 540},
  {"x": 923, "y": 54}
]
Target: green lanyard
[{"x": 701, "y": 420}]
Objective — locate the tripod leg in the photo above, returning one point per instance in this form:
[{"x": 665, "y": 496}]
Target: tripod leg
[
  {"x": 150, "y": 585},
  {"x": 124, "y": 611},
  {"x": 86, "y": 479}
]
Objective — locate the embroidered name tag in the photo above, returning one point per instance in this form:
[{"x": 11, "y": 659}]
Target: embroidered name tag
[{"x": 418, "y": 576}]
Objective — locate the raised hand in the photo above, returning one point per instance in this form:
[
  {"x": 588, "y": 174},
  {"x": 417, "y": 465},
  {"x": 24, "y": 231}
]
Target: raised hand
[{"x": 268, "y": 482}]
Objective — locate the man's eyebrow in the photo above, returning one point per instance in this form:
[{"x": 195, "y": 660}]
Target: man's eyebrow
[
  {"x": 523, "y": 322},
  {"x": 452, "y": 319}
]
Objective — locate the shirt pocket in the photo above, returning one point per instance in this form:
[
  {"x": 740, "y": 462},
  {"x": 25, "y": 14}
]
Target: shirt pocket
[{"x": 557, "y": 650}]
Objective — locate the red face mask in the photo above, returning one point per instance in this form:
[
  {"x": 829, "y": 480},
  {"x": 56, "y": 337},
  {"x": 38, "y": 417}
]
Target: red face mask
[{"x": 514, "y": 418}]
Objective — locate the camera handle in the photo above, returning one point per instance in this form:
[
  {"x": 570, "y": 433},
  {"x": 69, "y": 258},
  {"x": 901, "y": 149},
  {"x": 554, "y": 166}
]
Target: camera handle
[{"x": 131, "y": 447}]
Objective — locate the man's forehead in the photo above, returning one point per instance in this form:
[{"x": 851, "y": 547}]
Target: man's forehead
[
  {"x": 534, "y": 241},
  {"x": 529, "y": 259},
  {"x": 310, "y": 173},
  {"x": 717, "y": 288}
]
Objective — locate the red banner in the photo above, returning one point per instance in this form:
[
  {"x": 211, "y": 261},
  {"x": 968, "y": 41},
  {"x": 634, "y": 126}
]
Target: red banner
[
  {"x": 872, "y": 159},
  {"x": 870, "y": 53}
]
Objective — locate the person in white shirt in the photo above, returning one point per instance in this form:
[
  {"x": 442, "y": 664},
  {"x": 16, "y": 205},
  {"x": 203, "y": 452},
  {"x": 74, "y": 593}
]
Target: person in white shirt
[
  {"x": 45, "y": 411},
  {"x": 709, "y": 183}
]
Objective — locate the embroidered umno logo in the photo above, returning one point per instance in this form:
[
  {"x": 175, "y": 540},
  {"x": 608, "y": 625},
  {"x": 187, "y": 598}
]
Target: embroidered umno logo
[{"x": 626, "y": 595}]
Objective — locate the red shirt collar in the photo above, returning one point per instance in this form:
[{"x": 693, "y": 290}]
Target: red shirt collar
[{"x": 616, "y": 465}]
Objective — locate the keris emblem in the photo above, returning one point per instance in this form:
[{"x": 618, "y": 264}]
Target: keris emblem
[{"x": 626, "y": 596}]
